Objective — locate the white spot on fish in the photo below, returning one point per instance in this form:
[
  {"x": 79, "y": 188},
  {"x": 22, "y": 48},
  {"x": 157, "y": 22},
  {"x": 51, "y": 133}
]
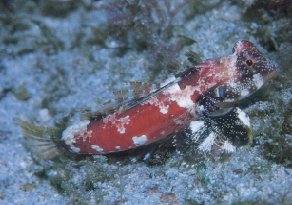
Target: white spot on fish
[
  {"x": 244, "y": 93},
  {"x": 228, "y": 147},
  {"x": 243, "y": 117},
  {"x": 97, "y": 148},
  {"x": 74, "y": 131},
  {"x": 164, "y": 109},
  {"x": 258, "y": 80},
  {"x": 120, "y": 124},
  {"x": 202, "y": 108},
  {"x": 206, "y": 145},
  {"x": 110, "y": 118},
  {"x": 85, "y": 135},
  {"x": 182, "y": 96},
  {"x": 117, "y": 147},
  {"x": 140, "y": 140},
  {"x": 154, "y": 101},
  {"x": 195, "y": 126}
]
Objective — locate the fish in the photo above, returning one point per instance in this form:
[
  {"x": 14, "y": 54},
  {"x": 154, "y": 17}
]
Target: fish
[{"x": 210, "y": 89}]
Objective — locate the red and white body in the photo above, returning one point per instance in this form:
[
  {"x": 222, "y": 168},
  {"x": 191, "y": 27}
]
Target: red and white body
[
  {"x": 156, "y": 118},
  {"x": 173, "y": 108}
]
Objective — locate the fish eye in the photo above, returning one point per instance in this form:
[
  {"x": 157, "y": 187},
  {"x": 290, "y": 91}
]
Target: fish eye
[{"x": 249, "y": 62}]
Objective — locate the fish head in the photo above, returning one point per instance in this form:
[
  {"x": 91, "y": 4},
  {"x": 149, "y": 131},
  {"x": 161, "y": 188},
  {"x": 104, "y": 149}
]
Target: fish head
[
  {"x": 251, "y": 70},
  {"x": 250, "y": 61},
  {"x": 240, "y": 75}
]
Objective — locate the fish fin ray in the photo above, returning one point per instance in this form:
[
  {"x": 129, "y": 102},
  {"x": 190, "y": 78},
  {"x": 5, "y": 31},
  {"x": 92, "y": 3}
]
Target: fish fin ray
[
  {"x": 39, "y": 140},
  {"x": 126, "y": 105}
]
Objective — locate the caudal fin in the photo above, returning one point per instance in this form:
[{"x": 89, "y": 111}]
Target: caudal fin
[{"x": 40, "y": 140}]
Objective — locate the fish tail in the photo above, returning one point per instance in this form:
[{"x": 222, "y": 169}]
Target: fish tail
[{"x": 40, "y": 140}]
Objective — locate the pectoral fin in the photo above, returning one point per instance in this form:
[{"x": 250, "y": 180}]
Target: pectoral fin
[{"x": 225, "y": 130}]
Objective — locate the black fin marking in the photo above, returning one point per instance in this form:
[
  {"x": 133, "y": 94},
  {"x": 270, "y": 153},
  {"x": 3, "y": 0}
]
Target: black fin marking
[
  {"x": 231, "y": 126},
  {"x": 227, "y": 132}
]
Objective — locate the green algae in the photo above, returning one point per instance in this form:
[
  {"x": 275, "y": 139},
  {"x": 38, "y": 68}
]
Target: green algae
[
  {"x": 28, "y": 187},
  {"x": 23, "y": 34},
  {"x": 200, "y": 7},
  {"x": 275, "y": 133},
  {"x": 90, "y": 172},
  {"x": 21, "y": 93},
  {"x": 58, "y": 9}
]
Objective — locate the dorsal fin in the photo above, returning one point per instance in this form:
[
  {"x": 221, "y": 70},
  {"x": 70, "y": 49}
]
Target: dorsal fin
[
  {"x": 134, "y": 90},
  {"x": 121, "y": 95},
  {"x": 125, "y": 104},
  {"x": 152, "y": 94},
  {"x": 141, "y": 91}
]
